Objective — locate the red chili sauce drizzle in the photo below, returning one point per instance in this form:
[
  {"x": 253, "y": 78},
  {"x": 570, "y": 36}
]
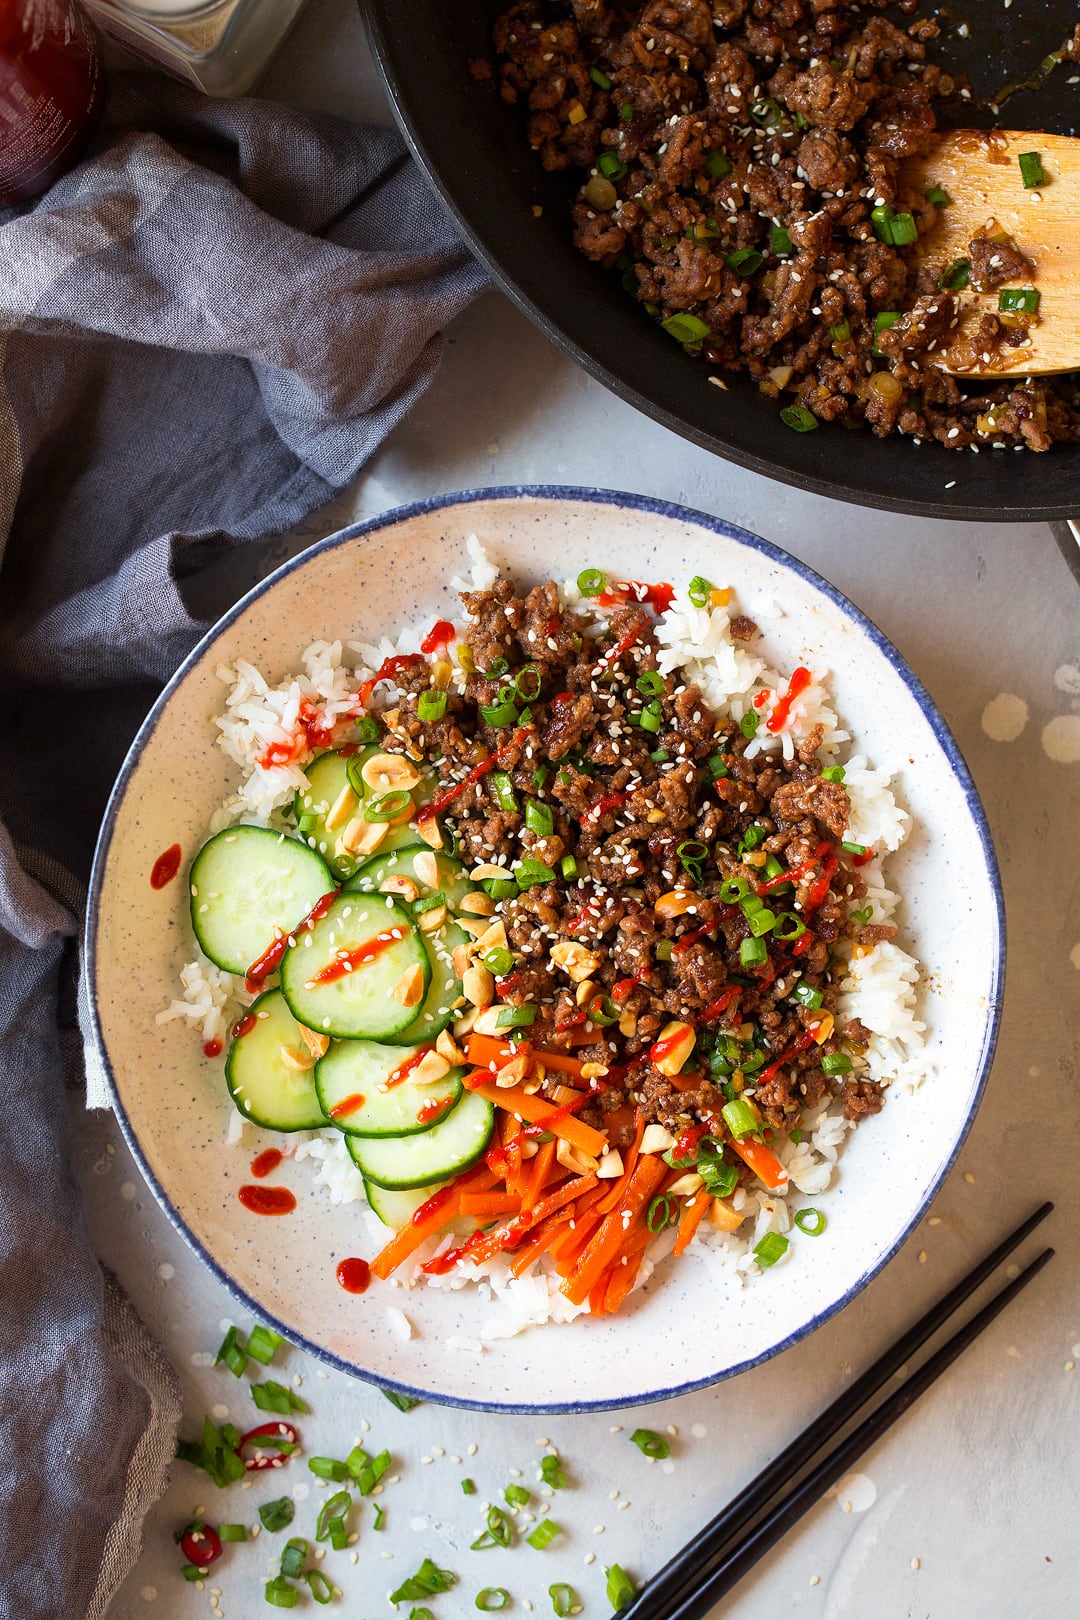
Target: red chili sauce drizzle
[
  {"x": 270, "y": 960},
  {"x": 441, "y": 800},
  {"x": 403, "y": 1070},
  {"x": 244, "y": 1026},
  {"x": 433, "y": 1109},
  {"x": 386, "y": 672},
  {"x": 265, "y": 1162},
  {"x": 166, "y": 867},
  {"x": 347, "y": 961},
  {"x": 659, "y": 597},
  {"x": 800, "y": 680},
  {"x": 310, "y": 733},
  {"x": 441, "y": 634},
  {"x": 267, "y": 1200},
  {"x": 212, "y": 1049},
  {"x": 353, "y": 1275},
  {"x": 347, "y": 1105}
]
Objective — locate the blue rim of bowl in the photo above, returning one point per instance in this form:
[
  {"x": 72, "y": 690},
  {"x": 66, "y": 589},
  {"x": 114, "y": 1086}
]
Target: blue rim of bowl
[{"x": 624, "y": 501}]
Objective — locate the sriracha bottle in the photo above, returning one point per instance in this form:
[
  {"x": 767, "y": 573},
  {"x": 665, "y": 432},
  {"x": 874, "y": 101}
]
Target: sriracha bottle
[{"x": 50, "y": 93}]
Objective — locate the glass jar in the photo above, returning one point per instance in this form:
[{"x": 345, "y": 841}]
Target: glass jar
[
  {"x": 50, "y": 93},
  {"x": 219, "y": 45}
]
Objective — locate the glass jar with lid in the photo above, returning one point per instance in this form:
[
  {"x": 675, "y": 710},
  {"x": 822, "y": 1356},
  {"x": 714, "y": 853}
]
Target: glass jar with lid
[{"x": 219, "y": 45}]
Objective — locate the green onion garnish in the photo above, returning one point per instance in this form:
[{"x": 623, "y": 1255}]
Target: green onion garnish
[
  {"x": 744, "y": 261},
  {"x": 492, "y": 1598},
  {"x": 663, "y": 1211},
  {"x": 498, "y": 889},
  {"x": 651, "y": 1444},
  {"x": 862, "y": 917},
  {"x": 232, "y": 1532},
  {"x": 600, "y": 79},
  {"x": 841, "y": 332},
  {"x": 603, "y": 1011},
  {"x": 276, "y": 1515},
  {"x": 718, "y": 164},
  {"x": 611, "y": 167},
  {"x": 365, "y": 1470},
  {"x": 767, "y": 113},
  {"x": 772, "y": 1248},
  {"x": 788, "y": 926},
  {"x": 368, "y": 727},
  {"x": 499, "y": 1532},
  {"x": 810, "y": 1221},
  {"x": 882, "y": 322},
  {"x": 503, "y": 789},
  {"x": 1032, "y": 172},
  {"x": 833, "y": 773},
  {"x": 263, "y": 1343},
  {"x": 752, "y": 837},
  {"x": 527, "y": 873},
  {"x": 499, "y": 714},
  {"x": 692, "y": 853},
  {"x": 429, "y": 902},
  {"x": 762, "y": 921},
  {"x": 379, "y": 1516},
  {"x": 740, "y": 1119},
  {"x": 319, "y": 1586},
  {"x": 626, "y": 111},
  {"x": 854, "y": 849},
  {"x": 699, "y": 590},
  {"x": 1022, "y": 300},
  {"x": 591, "y": 582},
  {"x": 307, "y": 824},
  {"x": 232, "y": 1353},
  {"x": 620, "y": 1588},
  {"x": 468, "y": 1487},
  {"x": 427, "y": 1581},
  {"x": 720, "y": 1179},
  {"x": 280, "y": 1594},
  {"x": 386, "y": 806},
  {"x": 515, "y": 1017},
  {"x": 192, "y": 1572},
  {"x": 328, "y": 1468},
  {"x": 806, "y": 996},
  {"x": 568, "y": 867},
  {"x": 780, "y": 242},
  {"x": 734, "y": 890},
  {"x": 271, "y": 1397},
  {"x": 517, "y": 1495},
  {"x": 684, "y": 329},
  {"x": 543, "y": 1535},
  {"x": 836, "y": 1063},
  {"x": 404, "y": 1403},
  {"x": 659, "y": 755},
  {"x": 903, "y": 230},
  {"x": 716, "y": 767},
  {"x": 664, "y": 948},
  {"x": 332, "y": 1514},
  {"x": 551, "y": 1471},
  {"x": 527, "y": 683},
  {"x": 650, "y": 683},
  {"x": 538, "y": 817},
  {"x": 939, "y": 198},
  {"x": 774, "y": 869},
  {"x": 431, "y": 705},
  {"x": 799, "y": 418},
  {"x": 881, "y": 219},
  {"x": 652, "y": 716},
  {"x": 956, "y": 277},
  {"x": 294, "y": 1557},
  {"x": 752, "y": 952},
  {"x": 563, "y": 1599},
  {"x": 749, "y": 723},
  {"x": 498, "y": 960}
]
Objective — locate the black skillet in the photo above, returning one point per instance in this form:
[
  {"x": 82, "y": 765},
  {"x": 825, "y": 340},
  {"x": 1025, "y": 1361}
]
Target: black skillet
[{"x": 474, "y": 152}]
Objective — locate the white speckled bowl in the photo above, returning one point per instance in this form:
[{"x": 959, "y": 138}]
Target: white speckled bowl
[{"x": 685, "y": 1329}]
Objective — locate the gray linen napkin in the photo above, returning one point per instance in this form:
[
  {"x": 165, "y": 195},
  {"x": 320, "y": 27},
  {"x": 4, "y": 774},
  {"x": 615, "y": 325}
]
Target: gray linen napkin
[{"x": 205, "y": 330}]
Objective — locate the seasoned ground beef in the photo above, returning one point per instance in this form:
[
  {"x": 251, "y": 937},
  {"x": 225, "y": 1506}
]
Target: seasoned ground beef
[
  {"x": 741, "y": 163},
  {"x": 664, "y": 880}
]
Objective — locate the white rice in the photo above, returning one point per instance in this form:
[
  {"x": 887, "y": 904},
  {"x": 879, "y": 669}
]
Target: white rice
[{"x": 880, "y": 987}]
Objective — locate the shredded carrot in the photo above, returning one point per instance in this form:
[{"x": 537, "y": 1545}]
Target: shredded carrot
[
  {"x": 489, "y": 1203},
  {"x": 690, "y": 1220},
  {"x": 512, "y": 1141},
  {"x": 630, "y": 1159},
  {"x": 408, "y": 1238},
  {"x": 606, "y": 1243},
  {"x": 623, "y": 1278},
  {"x": 485, "y": 1050},
  {"x": 534, "y": 1109},
  {"x": 541, "y": 1240},
  {"x": 537, "y": 1174},
  {"x": 686, "y": 1082},
  {"x": 511, "y": 1232},
  {"x": 762, "y": 1161}
]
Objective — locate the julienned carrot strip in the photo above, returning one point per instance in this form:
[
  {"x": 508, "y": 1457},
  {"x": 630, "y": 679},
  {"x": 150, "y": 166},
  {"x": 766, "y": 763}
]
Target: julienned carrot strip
[
  {"x": 512, "y": 1145},
  {"x": 762, "y": 1161},
  {"x": 516, "y": 1100},
  {"x": 606, "y": 1243},
  {"x": 511, "y": 1233},
  {"x": 541, "y": 1240},
  {"x": 537, "y": 1174},
  {"x": 487, "y": 1049},
  {"x": 408, "y": 1238},
  {"x": 489, "y": 1203},
  {"x": 629, "y": 1161},
  {"x": 690, "y": 1220},
  {"x": 623, "y": 1277}
]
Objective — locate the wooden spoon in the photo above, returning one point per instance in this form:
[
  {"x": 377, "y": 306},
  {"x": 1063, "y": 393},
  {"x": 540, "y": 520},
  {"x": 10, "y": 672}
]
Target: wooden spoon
[{"x": 978, "y": 169}]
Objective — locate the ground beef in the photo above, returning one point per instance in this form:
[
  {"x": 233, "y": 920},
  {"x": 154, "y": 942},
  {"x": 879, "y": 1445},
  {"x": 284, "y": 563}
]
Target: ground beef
[{"x": 730, "y": 158}]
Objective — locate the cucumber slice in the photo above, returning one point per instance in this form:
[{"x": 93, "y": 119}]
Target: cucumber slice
[
  {"x": 351, "y": 1083},
  {"x": 438, "y": 1009},
  {"x": 361, "y": 1003},
  {"x": 453, "y": 880},
  {"x": 262, "y": 1085},
  {"x": 397, "y": 1209},
  {"x": 249, "y": 886},
  {"x": 399, "y": 1162}
]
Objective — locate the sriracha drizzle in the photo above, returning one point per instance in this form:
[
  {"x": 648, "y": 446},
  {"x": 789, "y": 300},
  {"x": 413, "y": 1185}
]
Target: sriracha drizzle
[{"x": 166, "y": 867}]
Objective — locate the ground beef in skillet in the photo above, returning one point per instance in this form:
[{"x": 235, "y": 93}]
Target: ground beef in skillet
[{"x": 731, "y": 156}]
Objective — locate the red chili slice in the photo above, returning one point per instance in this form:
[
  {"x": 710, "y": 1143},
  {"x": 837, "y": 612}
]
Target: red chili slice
[
  {"x": 201, "y": 1545},
  {"x": 270, "y": 1458}
]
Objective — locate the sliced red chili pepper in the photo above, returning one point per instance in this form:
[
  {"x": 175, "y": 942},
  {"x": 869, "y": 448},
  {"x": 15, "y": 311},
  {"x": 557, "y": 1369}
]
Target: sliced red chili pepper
[
  {"x": 201, "y": 1545},
  {"x": 269, "y": 1433}
]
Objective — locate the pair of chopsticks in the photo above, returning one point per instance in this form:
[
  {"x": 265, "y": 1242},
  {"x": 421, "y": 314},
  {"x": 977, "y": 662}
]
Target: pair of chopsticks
[{"x": 738, "y": 1537}]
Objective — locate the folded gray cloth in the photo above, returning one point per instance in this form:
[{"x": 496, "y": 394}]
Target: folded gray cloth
[{"x": 205, "y": 330}]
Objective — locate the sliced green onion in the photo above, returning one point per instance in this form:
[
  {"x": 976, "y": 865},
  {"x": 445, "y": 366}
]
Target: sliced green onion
[
  {"x": 368, "y": 727},
  {"x": 271, "y": 1397},
  {"x": 652, "y": 716},
  {"x": 836, "y": 1063},
  {"x": 780, "y": 242},
  {"x": 591, "y": 582},
  {"x": 1019, "y": 300},
  {"x": 626, "y": 111},
  {"x": 367, "y": 1471},
  {"x": 734, "y": 890},
  {"x": 956, "y": 277},
  {"x": 503, "y": 789},
  {"x": 788, "y": 926},
  {"x": 192, "y": 1572},
  {"x": 650, "y": 683},
  {"x": 551, "y": 1471},
  {"x": 806, "y": 996},
  {"x": 568, "y": 867},
  {"x": 611, "y": 167},
  {"x": 810, "y": 1221},
  {"x": 517, "y": 1495},
  {"x": 854, "y": 849},
  {"x": 772, "y": 1248},
  {"x": 663, "y": 1211},
  {"x": 499, "y": 714},
  {"x": 294, "y": 1557},
  {"x": 280, "y": 1594},
  {"x": 421, "y": 1614},
  {"x": 775, "y": 869},
  {"x": 232, "y": 1532},
  {"x": 692, "y": 853},
  {"x": 740, "y": 1119},
  {"x": 603, "y": 1011},
  {"x": 752, "y": 837},
  {"x": 600, "y": 79},
  {"x": 496, "y": 668},
  {"x": 498, "y": 960},
  {"x": 833, "y": 773},
  {"x": 660, "y": 755},
  {"x": 699, "y": 590},
  {"x": 685, "y": 329},
  {"x": 306, "y": 824},
  {"x": 538, "y": 817},
  {"x": 468, "y": 1487},
  {"x": 620, "y": 1588},
  {"x": 431, "y": 705},
  {"x": 882, "y": 322},
  {"x": 795, "y": 1136},
  {"x": 329, "y": 1468},
  {"x": 543, "y": 1535},
  {"x": 799, "y": 418},
  {"x": 720, "y": 1178},
  {"x": 499, "y": 1532},
  {"x": 862, "y": 917},
  {"x": 767, "y": 113},
  {"x": 499, "y": 888},
  {"x": 527, "y": 873},
  {"x": 651, "y": 1444},
  {"x": 492, "y": 1598},
  {"x": 563, "y": 1599},
  {"x": 749, "y": 723},
  {"x": 664, "y": 948},
  {"x": 387, "y": 806},
  {"x": 380, "y": 1516},
  {"x": 1032, "y": 172},
  {"x": 540, "y": 776},
  {"x": 881, "y": 219},
  {"x": 750, "y": 903},
  {"x": 331, "y": 1513},
  {"x": 232, "y": 1353},
  {"x": 276, "y": 1515},
  {"x": 939, "y": 198},
  {"x": 718, "y": 164},
  {"x": 263, "y": 1343},
  {"x": 744, "y": 261},
  {"x": 762, "y": 922},
  {"x": 319, "y": 1586},
  {"x": 903, "y": 230},
  {"x": 429, "y": 902},
  {"x": 716, "y": 767},
  {"x": 841, "y": 332},
  {"x": 427, "y": 1581},
  {"x": 527, "y": 683},
  {"x": 515, "y": 1017},
  {"x": 752, "y": 952}
]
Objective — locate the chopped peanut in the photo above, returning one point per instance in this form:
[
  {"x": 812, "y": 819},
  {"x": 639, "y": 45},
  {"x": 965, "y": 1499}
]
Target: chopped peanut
[
  {"x": 361, "y": 837},
  {"x": 611, "y": 1165},
  {"x": 690, "y": 1183},
  {"x": 447, "y": 1047},
  {"x": 293, "y": 1058},
  {"x": 723, "y": 1217},
  {"x": 409, "y": 990},
  {"x": 514, "y": 1072},
  {"x": 478, "y": 905},
  {"x": 432, "y": 1066},
  {"x": 676, "y": 903},
  {"x": 655, "y": 1139},
  {"x": 681, "y": 1038},
  {"x": 429, "y": 921},
  {"x": 430, "y": 831},
  {"x": 398, "y": 883},
  {"x": 387, "y": 773},
  {"x": 342, "y": 809},
  {"x": 426, "y": 868},
  {"x": 478, "y": 984},
  {"x": 576, "y": 960}
]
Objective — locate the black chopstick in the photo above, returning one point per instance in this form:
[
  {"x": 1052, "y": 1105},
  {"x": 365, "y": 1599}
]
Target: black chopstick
[{"x": 694, "y": 1569}]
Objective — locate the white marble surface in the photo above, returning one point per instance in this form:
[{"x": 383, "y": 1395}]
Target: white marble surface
[{"x": 968, "y": 1507}]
